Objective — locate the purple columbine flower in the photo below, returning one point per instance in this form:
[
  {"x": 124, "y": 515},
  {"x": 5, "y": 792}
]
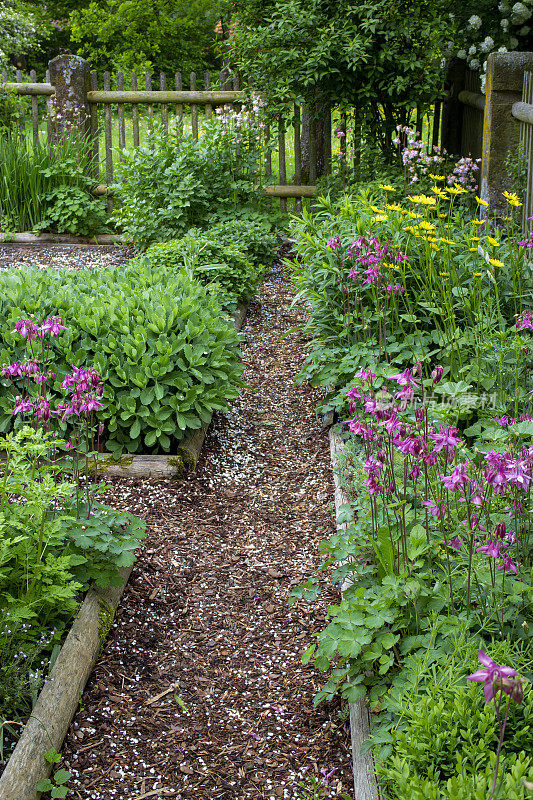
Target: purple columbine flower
[
  {"x": 458, "y": 479},
  {"x": 525, "y": 320},
  {"x": 447, "y": 437},
  {"x": 455, "y": 543},
  {"x": 333, "y": 243},
  {"x": 327, "y": 775},
  {"x": 508, "y": 565},
  {"x": 494, "y": 677},
  {"x": 26, "y": 328},
  {"x": 53, "y": 326},
  {"x": 492, "y": 548},
  {"x": 404, "y": 378},
  {"x": 437, "y": 374}
]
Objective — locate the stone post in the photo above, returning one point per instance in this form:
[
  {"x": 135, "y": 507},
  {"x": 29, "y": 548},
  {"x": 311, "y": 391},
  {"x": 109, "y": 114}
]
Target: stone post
[
  {"x": 505, "y": 77},
  {"x": 71, "y": 79}
]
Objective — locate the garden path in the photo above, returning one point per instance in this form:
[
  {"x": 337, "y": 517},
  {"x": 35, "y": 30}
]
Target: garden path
[{"x": 200, "y": 691}]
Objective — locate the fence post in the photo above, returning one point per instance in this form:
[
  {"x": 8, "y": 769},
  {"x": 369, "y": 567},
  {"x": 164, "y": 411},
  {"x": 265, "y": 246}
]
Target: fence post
[
  {"x": 505, "y": 78},
  {"x": 71, "y": 78}
]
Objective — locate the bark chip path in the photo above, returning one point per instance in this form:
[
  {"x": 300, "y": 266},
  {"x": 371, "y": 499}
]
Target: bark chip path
[{"x": 200, "y": 691}]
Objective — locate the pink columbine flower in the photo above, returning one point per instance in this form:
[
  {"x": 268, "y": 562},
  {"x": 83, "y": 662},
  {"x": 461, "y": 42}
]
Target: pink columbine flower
[
  {"x": 492, "y": 548},
  {"x": 26, "y": 328},
  {"x": 493, "y": 677},
  {"x": 23, "y": 406},
  {"x": 333, "y": 243},
  {"x": 525, "y": 320},
  {"x": 53, "y": 326},
  {"x": 458, "y": 479},
  {"x": 447, "y": 437},
  {"x": 455, "y": 543},
  {"x": 436, "y": 510},
  {"x": 69, "y": 445},
  {"x": 404, "y": 378},
  {"x": 436, "y": 375}
]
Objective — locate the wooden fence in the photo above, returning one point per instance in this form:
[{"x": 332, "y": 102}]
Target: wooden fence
[
  {"x": 523, "y": 112},
  {"x": 119, "y": 116}
]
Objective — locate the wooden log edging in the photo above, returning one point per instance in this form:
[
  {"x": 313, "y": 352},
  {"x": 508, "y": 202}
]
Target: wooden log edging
[
  {"x": 61, "y": 238},
  {"x": 59, "y": 698},
  {"x": 364, "y": 777},
  {"x": 166, "y": 466}
]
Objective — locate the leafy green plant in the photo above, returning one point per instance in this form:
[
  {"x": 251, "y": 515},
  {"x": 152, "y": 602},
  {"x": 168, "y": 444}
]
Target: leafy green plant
[
  {"x": 174, "y": 182},
  {"x": 167, "y": 353},
  {"x": 43, "y": 188},
  {"x": 215, "y": 264},
  {"x": 56, "y": 784}
]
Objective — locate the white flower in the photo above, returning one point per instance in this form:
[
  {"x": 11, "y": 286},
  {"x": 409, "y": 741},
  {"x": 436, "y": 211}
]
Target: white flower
[
  {"x": 472, "y": 50},
  {"x": 513, "y": 43},
  {"x": 475, "y": 21},
  {"x": 502, "y": 49},
  {"x": 461, "y": 54},
  {"x": 474, "y": 63},
  {"x": 524, "y": 30},
  {"x": 483, "y": 83},
  {"x": 520, "y": 13},
  {"x": 487, "y": 44},
  {"x": 505, "y": 24},
  {"x": 504, "y": 6}
]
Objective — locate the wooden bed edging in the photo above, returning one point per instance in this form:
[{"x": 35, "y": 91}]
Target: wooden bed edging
[
  {"x": 364, "y": 777},
  {"x": 61, "y": 238},
  {"x": 59, "y": 698},
  {"x": 166, "y": 466}
]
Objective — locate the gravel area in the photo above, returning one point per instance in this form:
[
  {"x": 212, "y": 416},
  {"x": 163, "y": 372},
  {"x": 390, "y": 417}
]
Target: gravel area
[
  {"x": 200, "y": 691},
  {"x": 59, "y": 256}
]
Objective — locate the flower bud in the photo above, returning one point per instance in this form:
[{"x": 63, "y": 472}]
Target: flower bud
[{"x": 437, "y": 374}]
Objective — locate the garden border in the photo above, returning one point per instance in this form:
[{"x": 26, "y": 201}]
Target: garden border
[
  {"x": 61, "y": 238},
  {"x": 364, "y": 777},
  {"x": 58, "y": 700}
]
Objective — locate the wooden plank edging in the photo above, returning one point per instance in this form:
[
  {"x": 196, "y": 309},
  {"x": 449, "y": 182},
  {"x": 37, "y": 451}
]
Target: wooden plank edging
[
  {"x": 61, "y": 238},
  {"x": 364, "y": 777}
]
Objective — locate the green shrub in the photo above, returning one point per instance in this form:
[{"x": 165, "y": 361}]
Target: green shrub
[
  {"x": 257, "y": 238},
  {"x": 174, "y": 182},
  {"x": 202, "y": 256},
  {"x": 167, "y": 354}
]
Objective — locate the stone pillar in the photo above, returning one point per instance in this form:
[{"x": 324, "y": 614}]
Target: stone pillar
[
  {"x": 69, "y": 109},
  {"x": 505, "y": 77}
]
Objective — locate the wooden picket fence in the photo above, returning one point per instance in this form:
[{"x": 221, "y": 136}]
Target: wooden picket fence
[{"x": 125, "y": 116}]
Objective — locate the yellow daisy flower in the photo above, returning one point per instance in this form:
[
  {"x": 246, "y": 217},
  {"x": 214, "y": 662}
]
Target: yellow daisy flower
[
  {"x": 447, "y": 241},
  {"x": 481, "y": 202},
  {"x": 496, "y": 263},
  {"x": 394, "y": 208},
  {"x": 443, "y": 216},
  {"x": 456, "y": 189},
  {"x": 493, "y": 242},
  {"x": 423, "y": 199},
  {"x": 444, "y": 274},
  {"x": 435, "y": 247},
  {"x": 477, "y": 274},
  {"x": 512, "y": 199},
  {"x": 376, "y": 210},
  {"x": 439, "y": 192},
  {"x": 473, "y": 249},
  {"x": 426, "y": 226},
  {"x": 410, "y": 229},
  {"x": 436, "y": 177},
  {"x": 379, "y": 218},
  {"x": 475, "y": 239},
  {"x": 477, "y": 221},
  {"x": 387, "y": 187},
  {"x": 412, "y": 215}
]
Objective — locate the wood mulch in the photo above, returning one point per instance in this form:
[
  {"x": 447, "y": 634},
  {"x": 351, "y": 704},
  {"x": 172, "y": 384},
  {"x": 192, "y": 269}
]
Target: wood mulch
[
  {"x": 13, "y": 256},
  {"x": 200, "y": 691}
]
